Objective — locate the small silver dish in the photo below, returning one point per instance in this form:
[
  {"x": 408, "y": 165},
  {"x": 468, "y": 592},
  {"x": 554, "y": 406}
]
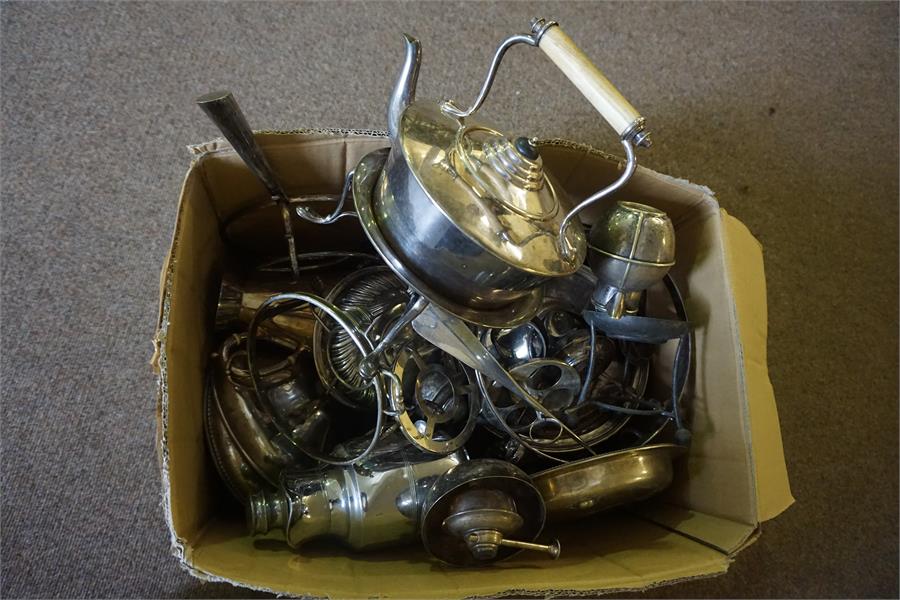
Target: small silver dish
[{"x": 585, "y": 487}]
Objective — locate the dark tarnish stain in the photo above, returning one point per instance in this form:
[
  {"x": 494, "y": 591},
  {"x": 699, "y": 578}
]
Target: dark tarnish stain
[{"x": 771, "y": 111}]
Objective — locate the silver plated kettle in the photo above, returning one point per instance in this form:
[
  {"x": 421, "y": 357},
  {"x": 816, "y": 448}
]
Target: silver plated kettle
[{"x": 472, "y": 212}]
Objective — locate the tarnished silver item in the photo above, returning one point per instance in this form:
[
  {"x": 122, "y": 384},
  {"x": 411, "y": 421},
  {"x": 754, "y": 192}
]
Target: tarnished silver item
[
  {"x": 474, "y": 513},
  {"x": 222, "y": 108},
  {"x": 574, "y": 386},
  {"x": 238, "y": 473},
  {"x": 632, "y": 247},
  {"x": 435, "y": 399},
  {"x": 290, "y": 301},
  {"x": 366, "y": 177},
  {"x": 453, "y": 336},
  {"x": 249, "y": 449},
  {"x": 478, "y": 328},
  {"x": 376, "y": 299},
  {"x": 582, "y": 488},
  {"x": 465, "y": 208},
  {"x": 373, "y": 504}
]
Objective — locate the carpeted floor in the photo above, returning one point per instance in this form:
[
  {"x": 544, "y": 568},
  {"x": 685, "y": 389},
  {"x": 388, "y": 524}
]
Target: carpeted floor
[{"x": 788, "y": 111}]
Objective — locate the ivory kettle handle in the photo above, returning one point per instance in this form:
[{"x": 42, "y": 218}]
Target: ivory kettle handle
[{"x": 599, "y": 91}]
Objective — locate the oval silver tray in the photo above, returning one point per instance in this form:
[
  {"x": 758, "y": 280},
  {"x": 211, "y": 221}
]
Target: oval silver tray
[{"x": 595, "y": 484}]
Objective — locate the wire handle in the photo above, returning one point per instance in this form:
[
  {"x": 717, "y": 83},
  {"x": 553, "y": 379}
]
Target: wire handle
[{"x": 590, "y": 81}]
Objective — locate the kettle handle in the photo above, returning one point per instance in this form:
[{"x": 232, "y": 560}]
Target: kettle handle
[
  {"x": 603, "y": 95},
  {"x": 609, "y": 102},
  {"x": 599, "y": 91},
  {"x": 568, "y": 57}
]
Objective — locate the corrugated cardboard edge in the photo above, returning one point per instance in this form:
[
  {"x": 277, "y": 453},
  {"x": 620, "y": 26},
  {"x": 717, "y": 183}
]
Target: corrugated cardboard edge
[
  {"x": 159, "y": 363},
  {"x": 178, "y": 547},
  {"x": 553, "y": 594},
  {"x": 744, "y": 259},
  {"x": 210, "y": 578},
  {"x": 511, "y": 593}
]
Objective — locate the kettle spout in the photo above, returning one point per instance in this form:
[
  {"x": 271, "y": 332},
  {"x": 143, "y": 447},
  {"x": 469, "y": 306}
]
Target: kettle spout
[{"x": 405, "y": 88}]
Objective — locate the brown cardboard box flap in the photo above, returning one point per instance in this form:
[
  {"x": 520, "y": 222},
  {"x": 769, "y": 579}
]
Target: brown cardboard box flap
[
  {"x": 744, "y": 255},
  {"x": 727, "y": 536},
  {"x": 621, "y": 551}
]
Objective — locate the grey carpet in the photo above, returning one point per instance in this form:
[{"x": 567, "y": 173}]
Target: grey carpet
[{"x": 788, "y": 111}]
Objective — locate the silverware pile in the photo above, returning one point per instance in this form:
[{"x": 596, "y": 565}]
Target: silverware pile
[{"x": 470, "y": 378}]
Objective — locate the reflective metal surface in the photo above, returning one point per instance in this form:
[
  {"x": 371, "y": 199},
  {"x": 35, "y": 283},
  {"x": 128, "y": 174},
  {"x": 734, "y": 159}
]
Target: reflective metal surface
[
  {"x": 628, "y": 171},
  {"x": 477, "y": 311},
  {"x": 568, "y": 343},
  {"x": 555, "y": 384},
  {"x": 376, "y": 297},
  {"x": 236, "y": 307},
  {"x": 374, "y": 504},
  {"x": 593, "y": 425},
  {"x": 223, "y": 110},
  {"x": 510, "y": 491},
  {"x": 290, "y": 301},
  {"x": 452, "y": 336},
  {"x": 588, "y": 486},
  {"x": 486, "y": 519},
  {"x": 436, "y": 399},
  {"x": 240, "y": 477},
  {"x": 450, "y": 107},
  {"x": 488, "y": 189},
  {"x": 464, "y": 208},
  {"x": 366, "y": 176},
  {"x": 247, "y": 448},
  {"x": 517, "y": 345},
  {"x": 632, "y": 247}
]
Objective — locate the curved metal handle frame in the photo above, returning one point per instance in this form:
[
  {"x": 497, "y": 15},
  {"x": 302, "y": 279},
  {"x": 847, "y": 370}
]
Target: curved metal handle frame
[
  {"x": 538, "y": 28},
  {"x": 275, "y": 305},
  {"x": 451, "y": 108},
  {"x": 222, "y": 108},
  {"x": 334, "y": 215},
  {"x": 630, "y": 166},
  {"x": 242, "y": 377}
]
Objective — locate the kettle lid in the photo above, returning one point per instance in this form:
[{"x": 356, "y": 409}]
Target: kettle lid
[{"x": 495, "y": 190}]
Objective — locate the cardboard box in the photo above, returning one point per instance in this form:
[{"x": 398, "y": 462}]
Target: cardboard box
[{"x": 733, "y": 478}]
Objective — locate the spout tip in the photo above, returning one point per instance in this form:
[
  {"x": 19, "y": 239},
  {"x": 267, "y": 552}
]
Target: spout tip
[{"x": 405, "y": 87}]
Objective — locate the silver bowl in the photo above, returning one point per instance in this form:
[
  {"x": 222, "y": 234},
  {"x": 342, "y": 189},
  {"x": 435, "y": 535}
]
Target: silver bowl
[{"x": 585, "y": 487}]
